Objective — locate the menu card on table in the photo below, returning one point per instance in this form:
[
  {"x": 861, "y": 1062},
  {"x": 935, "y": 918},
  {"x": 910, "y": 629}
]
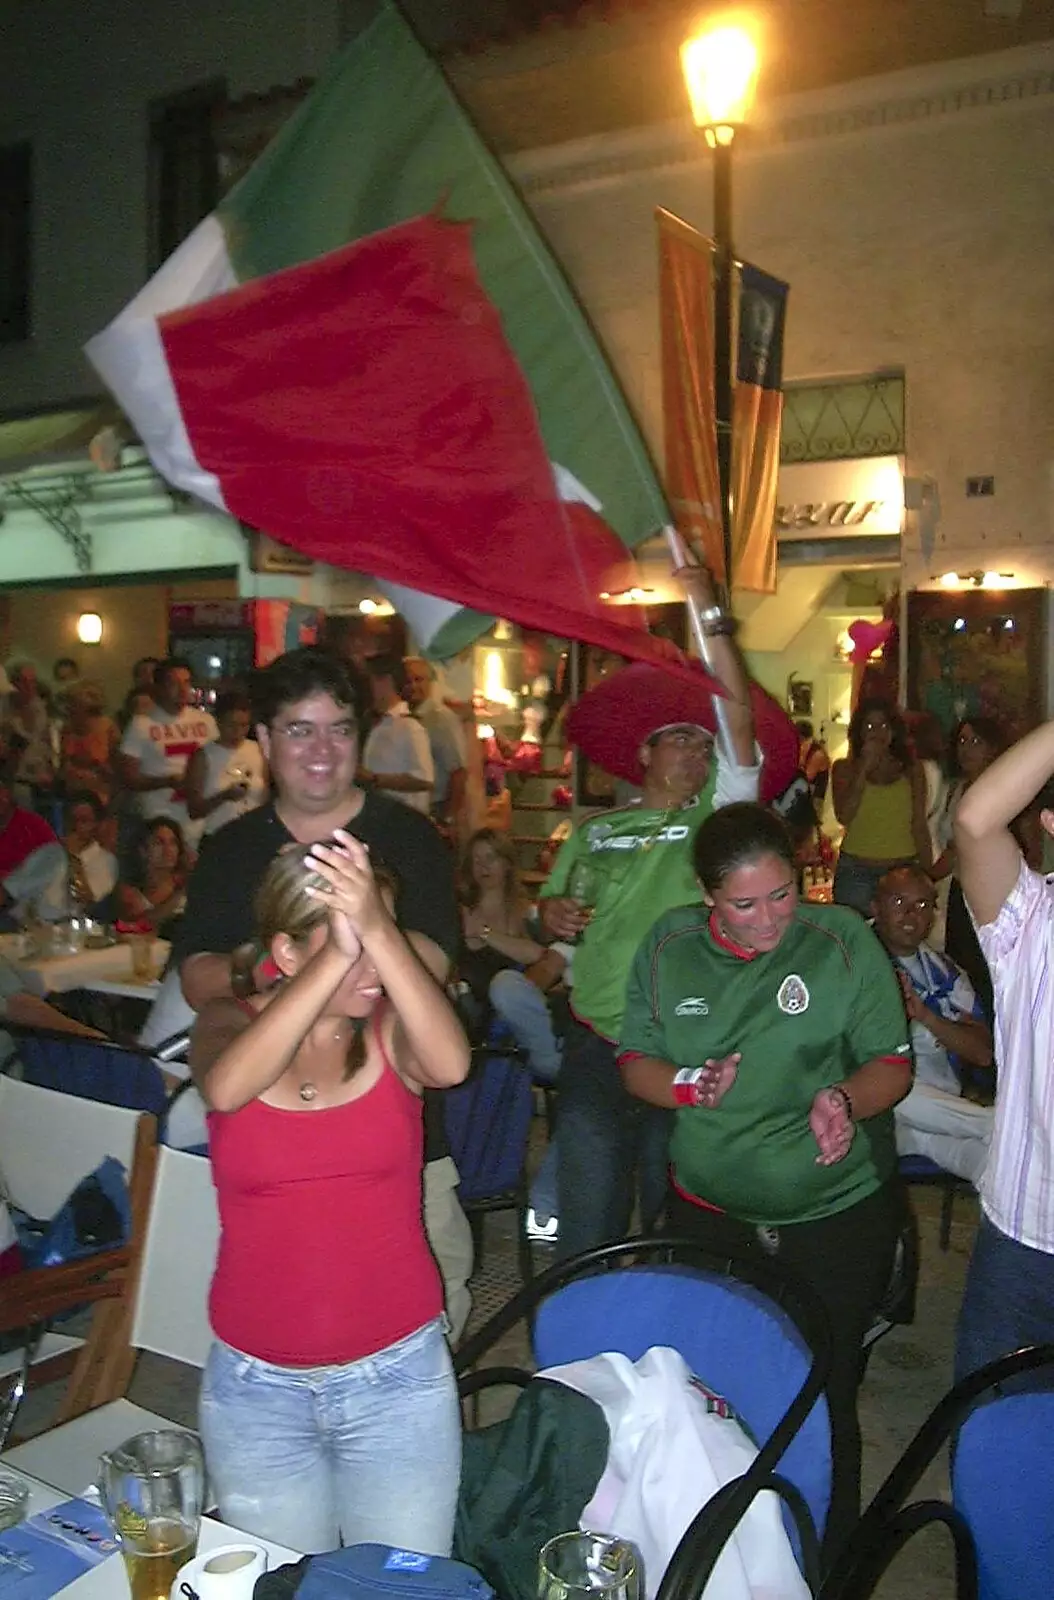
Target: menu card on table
[{"x": 41, "y": 1556}]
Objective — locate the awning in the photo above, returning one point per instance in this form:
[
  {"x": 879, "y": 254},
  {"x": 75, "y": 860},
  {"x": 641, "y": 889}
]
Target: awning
[{"x": 53, "y": 436}]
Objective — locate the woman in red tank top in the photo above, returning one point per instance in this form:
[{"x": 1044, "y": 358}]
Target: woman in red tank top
[{"x": 329, "y": 1411}]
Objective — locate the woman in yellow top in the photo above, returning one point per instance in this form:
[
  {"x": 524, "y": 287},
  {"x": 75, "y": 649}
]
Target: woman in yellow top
[{"x": 879, "y": 795}]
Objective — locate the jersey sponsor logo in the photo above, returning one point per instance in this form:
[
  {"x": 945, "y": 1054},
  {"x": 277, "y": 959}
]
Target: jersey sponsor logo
[
  {"x": 639, "y": 841},
  {"x": 792, "y": 996},
  {"x": 692, "y": 1006}
]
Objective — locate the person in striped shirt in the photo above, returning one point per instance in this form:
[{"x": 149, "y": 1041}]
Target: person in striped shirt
[{"x": 1009, "y": 1297}]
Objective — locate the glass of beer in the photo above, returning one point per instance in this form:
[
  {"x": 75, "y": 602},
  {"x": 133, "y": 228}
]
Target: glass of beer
[
  {"x": 153, "y": 1488},
  {"x": 142, "y": 947}
]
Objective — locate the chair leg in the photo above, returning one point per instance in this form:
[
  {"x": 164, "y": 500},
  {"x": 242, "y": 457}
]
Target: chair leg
[
  {"x": 947, "y": 1207},
  {"x": 523, "y": 1244}
]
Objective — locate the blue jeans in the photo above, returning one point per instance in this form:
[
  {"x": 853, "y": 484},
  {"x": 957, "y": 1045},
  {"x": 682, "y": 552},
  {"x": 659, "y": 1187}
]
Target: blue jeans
[
  {"x": 1008, "y": 1301},
  {"x": 607, "y": 1140},
  {"x": 316, "y": 1457},
  {"x": 522, "y": 1006}
]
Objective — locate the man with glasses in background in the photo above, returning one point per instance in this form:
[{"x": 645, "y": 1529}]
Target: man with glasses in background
[
  {"x": 307, "y": 730},
  {"x": 948, "y": 1032}
]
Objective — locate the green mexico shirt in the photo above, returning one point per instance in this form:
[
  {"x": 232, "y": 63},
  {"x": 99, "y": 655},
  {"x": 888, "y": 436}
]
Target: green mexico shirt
[
  {"x": 803, "y": 1016},
  {"x": 640, "y": 861}
]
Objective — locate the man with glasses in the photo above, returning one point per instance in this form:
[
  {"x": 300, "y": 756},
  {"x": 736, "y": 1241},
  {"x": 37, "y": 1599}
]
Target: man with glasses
[
  {"x": 615, "y": 875},
  {"x": 307, "y": 731},
  {"x": 948, "y": 1032}
]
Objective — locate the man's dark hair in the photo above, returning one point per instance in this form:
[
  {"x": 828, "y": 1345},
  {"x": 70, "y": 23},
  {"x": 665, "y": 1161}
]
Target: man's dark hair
[
  {"x": 171, "y": 664},
  {"x": 387, "y": 665},
  {"x": 145, "y": 661},
  {"x": 297, "y": 675},
  {"x": 736, "y": 835},
  {"x": 85, "y": 797},
  {"x": 232, "y": 700}
]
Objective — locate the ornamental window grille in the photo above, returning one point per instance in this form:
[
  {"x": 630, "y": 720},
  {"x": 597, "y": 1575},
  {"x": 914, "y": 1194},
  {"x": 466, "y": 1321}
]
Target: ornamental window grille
[{"x": 846, "y": 418}]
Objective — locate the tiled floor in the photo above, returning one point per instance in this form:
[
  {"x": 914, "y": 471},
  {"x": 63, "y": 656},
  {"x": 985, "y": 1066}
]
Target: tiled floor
[{"x": 908, "y": 1372}]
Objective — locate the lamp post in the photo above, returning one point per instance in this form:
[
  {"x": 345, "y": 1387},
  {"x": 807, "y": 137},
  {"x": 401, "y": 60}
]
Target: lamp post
[{"x": 720, "y": 66}]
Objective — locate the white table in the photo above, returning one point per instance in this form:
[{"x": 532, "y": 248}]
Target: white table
[
  {"x": 106, "y": 971},
  {"x": 107, "y": 1581}
]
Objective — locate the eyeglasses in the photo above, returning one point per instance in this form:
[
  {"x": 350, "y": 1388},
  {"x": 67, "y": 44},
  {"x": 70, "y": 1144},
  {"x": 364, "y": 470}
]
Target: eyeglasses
[
  {"x": 684, "y": 739},
  {"x": 970, "y": 738},
  {"x": 901, "y": 902},
  {"x": 344, "y": 732}
]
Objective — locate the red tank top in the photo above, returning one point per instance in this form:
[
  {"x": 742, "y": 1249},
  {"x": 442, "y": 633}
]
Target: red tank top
[{"x": 322, "y": 1257}]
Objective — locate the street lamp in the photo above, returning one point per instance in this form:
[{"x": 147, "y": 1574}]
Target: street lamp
[{"x": 720, "y": 66}]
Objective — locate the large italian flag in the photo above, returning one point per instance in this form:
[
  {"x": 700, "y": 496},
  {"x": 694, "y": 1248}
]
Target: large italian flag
[{"x": 370, "y": 353}]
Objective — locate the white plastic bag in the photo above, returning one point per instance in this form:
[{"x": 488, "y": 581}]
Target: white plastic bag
[{"x": 669, "y": 1453}]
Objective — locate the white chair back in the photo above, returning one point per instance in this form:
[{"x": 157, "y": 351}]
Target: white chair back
[
  {"x": 171, "y": 1316},
  {"x": 50, "y": 1141}
]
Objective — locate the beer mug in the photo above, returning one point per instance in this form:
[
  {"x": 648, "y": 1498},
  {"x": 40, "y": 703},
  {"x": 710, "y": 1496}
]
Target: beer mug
[
  {"x": 590, "y": 1566},
  {"x": 153, "y": 1489}
]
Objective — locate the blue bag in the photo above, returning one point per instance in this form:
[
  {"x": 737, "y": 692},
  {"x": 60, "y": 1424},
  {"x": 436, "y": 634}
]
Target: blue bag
[
  {"x": 374, "y": 1572},
  {"x": 97, "y": 1216}
]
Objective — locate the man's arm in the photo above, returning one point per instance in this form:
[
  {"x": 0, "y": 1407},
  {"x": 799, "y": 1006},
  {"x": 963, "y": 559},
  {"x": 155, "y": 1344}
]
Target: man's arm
[
  {"x": 725, "y": 664},
  {"x": 29, "y": 1011},
  {"x": 132, "y": 776},
  {"x": 988, "y": 855},
  {"x": 965, "y": 1037}
]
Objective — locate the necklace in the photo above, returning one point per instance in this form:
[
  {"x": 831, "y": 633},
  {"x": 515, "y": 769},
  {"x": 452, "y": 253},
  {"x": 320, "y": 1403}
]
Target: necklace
[{"x": 307, "y": 1090}]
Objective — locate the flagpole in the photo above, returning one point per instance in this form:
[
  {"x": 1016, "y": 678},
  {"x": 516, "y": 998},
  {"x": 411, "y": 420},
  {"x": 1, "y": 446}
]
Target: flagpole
[
  {"x": 724, "y": 270},
  {"x": 681, "y": 556}
]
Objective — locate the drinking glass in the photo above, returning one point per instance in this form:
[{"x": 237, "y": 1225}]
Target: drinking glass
[
  {"x": 153, "y": 1488},
  {"x": 588, "y": 1566},
  {"x": 584, "y": 885},
  {"x": 142, "y": 948}
]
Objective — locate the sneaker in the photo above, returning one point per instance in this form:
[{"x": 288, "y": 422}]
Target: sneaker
[{"x": 539, "y": 1230}]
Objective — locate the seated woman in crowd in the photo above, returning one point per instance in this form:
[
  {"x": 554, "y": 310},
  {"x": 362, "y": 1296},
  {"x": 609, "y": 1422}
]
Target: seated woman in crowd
[
  {"x": 329, "y": 1411},
  {"x": 155, "y": 893},
  {"x": 502, "y": 963},
  {"x": 972, "y": 747},
  {"x": 227, "y": 777},
  {"x": 88, "y": 743},
  {"x": 777, "y": 1033}
]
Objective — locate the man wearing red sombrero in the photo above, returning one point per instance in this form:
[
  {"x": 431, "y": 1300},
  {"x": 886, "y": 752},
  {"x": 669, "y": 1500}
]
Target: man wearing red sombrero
[{"x": 620, "y": 870}]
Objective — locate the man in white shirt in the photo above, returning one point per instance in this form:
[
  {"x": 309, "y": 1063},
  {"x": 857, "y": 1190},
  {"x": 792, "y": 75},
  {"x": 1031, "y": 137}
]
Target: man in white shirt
[
  {"x": 397, "y": 756},
  {"x": 447, "y": 743},
  {"x": 1009, "y": 1297},
  {"x": 947, "y": 1030},
  {"x": 159, "y": 742}
]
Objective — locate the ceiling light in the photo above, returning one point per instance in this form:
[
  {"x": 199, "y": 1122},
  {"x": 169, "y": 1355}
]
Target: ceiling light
[{"x": 89, "y": 627}]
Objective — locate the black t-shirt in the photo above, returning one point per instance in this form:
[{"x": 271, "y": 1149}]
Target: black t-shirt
[{"x": 220, "y": 893}]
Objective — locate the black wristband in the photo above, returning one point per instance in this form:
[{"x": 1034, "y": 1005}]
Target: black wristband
[{"x": 843, "y": 1094}]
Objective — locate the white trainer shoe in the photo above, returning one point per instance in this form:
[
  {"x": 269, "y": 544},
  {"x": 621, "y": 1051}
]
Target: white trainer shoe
[{"x": 539, "y": 1232}]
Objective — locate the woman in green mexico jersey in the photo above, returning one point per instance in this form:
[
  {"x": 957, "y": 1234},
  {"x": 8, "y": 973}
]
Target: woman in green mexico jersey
[{"x": 777, "y": 1032}]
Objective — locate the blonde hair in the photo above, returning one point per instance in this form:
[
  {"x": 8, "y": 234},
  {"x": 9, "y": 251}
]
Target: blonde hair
[{"x": 282, "y": 904}]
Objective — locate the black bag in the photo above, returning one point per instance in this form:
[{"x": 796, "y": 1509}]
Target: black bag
[{"x": 373, "y": 1572}]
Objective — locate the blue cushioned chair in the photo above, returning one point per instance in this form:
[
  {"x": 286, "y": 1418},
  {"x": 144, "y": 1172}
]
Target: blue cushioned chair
[
  {"x": 488, "y": 1123},
  {"x": 757, "y": 1336},
  {"x": 91, "y": 1069},
  {"x": 1001, "y": 1515}
]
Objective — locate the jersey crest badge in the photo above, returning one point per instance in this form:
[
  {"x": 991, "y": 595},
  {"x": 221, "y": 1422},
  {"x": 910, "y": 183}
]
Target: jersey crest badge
[{"x": 793, "y": 996}]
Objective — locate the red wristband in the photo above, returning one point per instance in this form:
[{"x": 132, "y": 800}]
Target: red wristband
[{"x": 686, "y": 1090}]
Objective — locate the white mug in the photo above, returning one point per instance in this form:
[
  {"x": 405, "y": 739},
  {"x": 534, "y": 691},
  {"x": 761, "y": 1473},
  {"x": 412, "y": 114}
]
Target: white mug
[{"x": 227, "y": 1573}]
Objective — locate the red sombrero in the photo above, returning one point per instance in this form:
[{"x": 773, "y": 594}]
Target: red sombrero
[{"x": 611, "y": 721}]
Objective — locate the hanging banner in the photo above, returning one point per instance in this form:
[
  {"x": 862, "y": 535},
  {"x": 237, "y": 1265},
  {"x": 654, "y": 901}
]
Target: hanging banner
[{"x": 686, "y": 309}]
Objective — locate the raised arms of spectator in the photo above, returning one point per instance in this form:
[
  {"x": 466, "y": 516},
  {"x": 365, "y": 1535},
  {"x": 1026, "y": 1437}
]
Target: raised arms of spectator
[
  {"x": 726, "y": 665},
  {"x": 988, "y": 855}
]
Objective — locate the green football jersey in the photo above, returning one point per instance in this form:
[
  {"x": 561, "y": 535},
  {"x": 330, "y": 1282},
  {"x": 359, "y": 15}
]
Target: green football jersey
[
  {"x": 640, "y": 864},
  {"x": 803, "y": 1016}
]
